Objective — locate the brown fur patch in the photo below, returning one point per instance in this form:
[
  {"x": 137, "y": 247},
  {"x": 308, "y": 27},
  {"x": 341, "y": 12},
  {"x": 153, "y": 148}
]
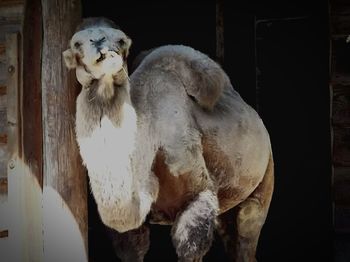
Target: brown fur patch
[
  {"x": 222, "y": 172},
  {"x": 175, "y": 192}
]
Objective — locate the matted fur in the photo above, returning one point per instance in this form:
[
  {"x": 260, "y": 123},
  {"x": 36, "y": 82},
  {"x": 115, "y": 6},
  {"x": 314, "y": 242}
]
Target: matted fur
[
  {"x": 236, "y": 142},
  {"x": 178, "y": 143},
  {"x": 106, "y": 127}
]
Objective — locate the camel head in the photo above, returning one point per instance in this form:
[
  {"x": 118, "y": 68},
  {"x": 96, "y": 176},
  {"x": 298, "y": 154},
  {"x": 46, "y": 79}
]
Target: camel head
[{"x": 98, "y": 51}]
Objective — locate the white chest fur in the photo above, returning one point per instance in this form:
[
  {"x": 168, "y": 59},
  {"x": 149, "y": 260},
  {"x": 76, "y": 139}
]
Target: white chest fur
[{"x": 107, "y": 155}]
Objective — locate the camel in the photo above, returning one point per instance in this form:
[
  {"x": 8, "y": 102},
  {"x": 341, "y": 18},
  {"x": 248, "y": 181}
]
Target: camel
[{"x": 175, "y": 144}]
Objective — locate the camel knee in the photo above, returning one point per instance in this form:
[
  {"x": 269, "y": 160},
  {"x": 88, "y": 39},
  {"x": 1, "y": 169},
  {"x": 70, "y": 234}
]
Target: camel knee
[
  {"x": 250, "y": 218},
  {"x": 121, "y": 221},
  {"x": 109, "y": 220},
  {"x": 193, "y": 231}
]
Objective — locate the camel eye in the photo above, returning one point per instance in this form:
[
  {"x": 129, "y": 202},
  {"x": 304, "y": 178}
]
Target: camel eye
[
  {"x": 77, "y": 44},
  {"x": 121, "y": 42}
]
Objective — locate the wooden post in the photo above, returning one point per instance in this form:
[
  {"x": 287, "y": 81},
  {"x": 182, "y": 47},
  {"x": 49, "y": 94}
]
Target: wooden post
[
  {"x": 220, "y": 32},
  {"x": 24, "y": 209},
  {"x": 64, "y": 180},
  {"x": 29, "y": 181},
  {"x": 14, "y": 212},
  {"x": 31, "y": 94},
  {"x": 340, "y": 114}
]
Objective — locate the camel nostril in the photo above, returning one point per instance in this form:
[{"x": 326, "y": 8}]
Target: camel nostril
[{"x": 97, "y": 43}]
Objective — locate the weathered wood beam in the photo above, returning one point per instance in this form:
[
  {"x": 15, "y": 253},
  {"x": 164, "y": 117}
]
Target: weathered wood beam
[
  {"x": 64, "y": 179},
  {"x": 31, "y": 95},
  {"x": 340, "y": 116},
  {"x": 3, "y": 185},
  {"x": 3, "y": 90},
  {"x": 13, "y": 221},
  {"x": 11, "y": 15},
  {"x": 2, "y": 49},
  {"x": 11, "y": 2}
]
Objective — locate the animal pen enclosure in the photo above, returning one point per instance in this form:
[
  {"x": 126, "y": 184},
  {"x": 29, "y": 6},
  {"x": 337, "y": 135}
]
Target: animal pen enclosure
[{"x": 277, "y": 56}]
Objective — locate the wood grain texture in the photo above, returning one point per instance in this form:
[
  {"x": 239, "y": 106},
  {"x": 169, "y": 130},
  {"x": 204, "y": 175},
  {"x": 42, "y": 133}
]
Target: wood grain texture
[
  {"x": 341, "y": 218},
  {"x": 11, "y": 14},
  {"x": 32, "y": 132},
  {"x": 340, "y": 19},
  {"x": 341, "y": 148},
  {"x": 3, "y": 161},
  {"x": 3, "y": 62},
  {"x": 11, "y": 2},
  {"x": 62, "y": 165},
  {"x": 2, "y": 49},
  {"x": 3, "y": 121},
  {"x": 340, "y": 63},
  {"x": 3, "y": 73},
  {"x": 341, "y": 184},
  {"x": 14, "y": 189},
  {"x": 13, "y": 75},
  {"x": 3, "y": 131},
  {"x": 3, "y": 90},
  {"x": 3, "y": 186},
  {"x": 3, "y": 116},
  {"x": 341, "y": 105}
]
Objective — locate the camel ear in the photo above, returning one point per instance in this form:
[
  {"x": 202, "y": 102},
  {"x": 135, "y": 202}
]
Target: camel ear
[
  {"x": 69, "y": 59},
  {"x": 128, "y": 42},
  {"x": 125, "y": 44}
]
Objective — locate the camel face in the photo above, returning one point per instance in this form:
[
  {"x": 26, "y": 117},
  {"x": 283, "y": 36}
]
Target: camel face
[{"x": 97, "y": 53}]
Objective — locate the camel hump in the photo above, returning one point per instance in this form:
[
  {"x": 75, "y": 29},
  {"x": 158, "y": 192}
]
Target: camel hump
[{"x": 203, "y": 79}]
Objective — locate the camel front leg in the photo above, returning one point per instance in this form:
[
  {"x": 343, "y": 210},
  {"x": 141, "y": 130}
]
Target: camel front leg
[
  {"x": 192, "y": 232},
  {"x": 127, "y": 215}
]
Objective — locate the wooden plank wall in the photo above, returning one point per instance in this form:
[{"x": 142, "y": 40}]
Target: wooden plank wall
[
  {"x": 64, "y": 178},
  {"x": 10, "y": 22},
  {"x": 31, "y": 94},
  {"x": 340, "y": 112},
  {"x": 3, "y": 122},
  {"x": 43, "y": 189}
]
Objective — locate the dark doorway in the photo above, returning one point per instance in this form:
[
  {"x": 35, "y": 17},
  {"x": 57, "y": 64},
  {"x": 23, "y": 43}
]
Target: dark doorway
[
  {"x": 286, "y": 46},
  {"x": 293, "y": 101}
]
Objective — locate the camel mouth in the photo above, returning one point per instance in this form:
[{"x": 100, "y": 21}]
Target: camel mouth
[
  {"x": 107, "y": 53},
  {"x": 101, "y": 58}
]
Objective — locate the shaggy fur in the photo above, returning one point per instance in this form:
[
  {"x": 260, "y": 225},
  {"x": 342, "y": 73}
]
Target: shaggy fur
[
  {"x": 180, "y": 144},
  {"x": 106, "y": 127},
  {"x": 193, "y": 231}
]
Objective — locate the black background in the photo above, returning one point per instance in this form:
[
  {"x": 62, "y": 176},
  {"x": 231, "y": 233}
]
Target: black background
[{"x": 277, "y": 56}]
